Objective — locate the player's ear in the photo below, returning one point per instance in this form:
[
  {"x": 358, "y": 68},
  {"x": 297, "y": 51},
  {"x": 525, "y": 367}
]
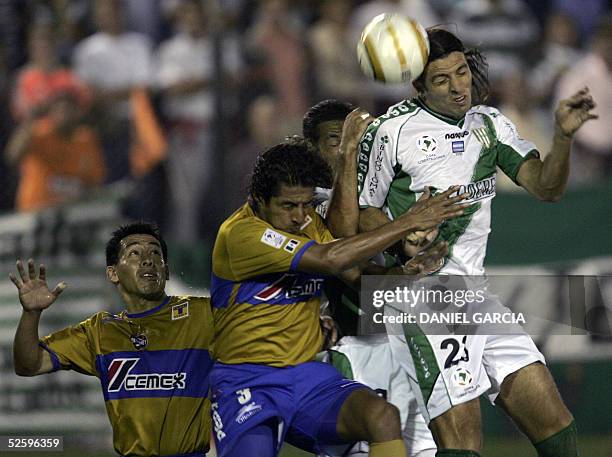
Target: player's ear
[
  {"x": 111, "y": 274},
  {"x": 167, "y": 268}
]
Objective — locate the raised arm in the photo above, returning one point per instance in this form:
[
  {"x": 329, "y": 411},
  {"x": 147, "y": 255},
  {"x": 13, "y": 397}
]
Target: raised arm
[
  {"x": 343, "y": 213},
  {"x": 547, "y": 180},
  {"x": 29, "y": 359}
]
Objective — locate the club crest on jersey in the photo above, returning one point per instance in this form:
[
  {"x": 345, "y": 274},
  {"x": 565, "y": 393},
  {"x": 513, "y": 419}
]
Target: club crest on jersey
[
  {"x": 139, "y": 341},
  {"x": 482, "y": 136},
  {"x": 427, "y": 144},
  {"x": 180, "y": 310},
  {"x": 120, "y": 377}
]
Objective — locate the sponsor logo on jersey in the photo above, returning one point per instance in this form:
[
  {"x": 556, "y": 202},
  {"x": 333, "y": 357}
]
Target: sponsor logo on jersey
[
  {"x": 291, "y": 286},
  {"x": 139, "y": 341},
  {"x": 273, "y": 238},
  {"x": 120, "y": 378},
  {"x": 458, "y": 147},
  {"x": 180, "y": 310},
  {"x": 427, "y": 144},
  {"x": 291, "y": 245},
  {"x": 456, "y": 136},
  {"x": 480, "y": 190},
  {"x": 247, "y": 411}
]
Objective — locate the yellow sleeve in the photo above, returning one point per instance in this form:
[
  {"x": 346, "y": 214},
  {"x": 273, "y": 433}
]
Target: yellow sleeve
[
  {"x": 256, "y": 249},
  {"x": 70, "y": 349}
]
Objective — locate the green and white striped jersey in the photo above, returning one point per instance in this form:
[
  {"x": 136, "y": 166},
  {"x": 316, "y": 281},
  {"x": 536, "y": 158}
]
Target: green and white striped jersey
[{"x": 411, "y": 147}]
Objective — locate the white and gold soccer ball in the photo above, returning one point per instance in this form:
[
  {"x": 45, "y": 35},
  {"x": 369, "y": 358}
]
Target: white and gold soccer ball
[{"x": 393, "y": 49}]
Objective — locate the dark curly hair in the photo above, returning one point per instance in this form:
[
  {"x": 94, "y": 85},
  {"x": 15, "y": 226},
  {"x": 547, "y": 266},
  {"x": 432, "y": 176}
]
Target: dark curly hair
[
  {"x": 327, "y": 110},
  {"x": 290, "y": 163},
  {"x": 135, "y": 228},
  {"x": 441, "y": 44}
]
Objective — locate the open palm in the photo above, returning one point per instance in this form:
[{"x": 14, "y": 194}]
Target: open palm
[{"x": 34, "y": 293}]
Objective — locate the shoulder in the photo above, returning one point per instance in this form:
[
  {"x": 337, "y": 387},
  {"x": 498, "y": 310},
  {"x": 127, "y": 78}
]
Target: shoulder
[
  {"x": 390, "y": 122},
  {"x": 136, "y": 40},
  {"x": 91, "y": 44},
  {"x": 484, "y": 110}
]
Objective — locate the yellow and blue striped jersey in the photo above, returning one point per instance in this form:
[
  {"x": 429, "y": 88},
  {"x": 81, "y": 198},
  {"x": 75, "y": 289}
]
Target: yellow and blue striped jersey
[
  {"x": 265, "y": 310},
  {"x": 153, "y": 368}
]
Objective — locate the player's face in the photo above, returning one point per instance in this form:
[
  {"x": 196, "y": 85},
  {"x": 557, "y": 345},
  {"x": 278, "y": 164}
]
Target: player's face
[
  {"x": 448, "y": 85},
  {"x": 140, "y": 270},
  {"x": 330, "y": 134},
  {"x": 288, "y": 210}
]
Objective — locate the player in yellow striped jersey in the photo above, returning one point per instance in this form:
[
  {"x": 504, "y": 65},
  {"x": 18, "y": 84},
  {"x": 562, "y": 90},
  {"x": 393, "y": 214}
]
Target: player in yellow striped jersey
[
  {"x": 269, "y": 262},
  {"x": 152, "y": 358}
]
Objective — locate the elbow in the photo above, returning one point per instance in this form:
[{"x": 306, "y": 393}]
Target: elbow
[
  {"x": 550, "y": 197},
  {"x": 22, "y": 371},
  {"x": 336, "y": 264}
]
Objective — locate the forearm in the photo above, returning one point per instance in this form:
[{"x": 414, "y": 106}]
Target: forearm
[
  {"x": 363, "y": 246},
  {"x": 27, "y": 354},
  {"x": 343, "y": 213},
  {"x": 372, "y": 218},
  {"x": 555, "y": 168}
]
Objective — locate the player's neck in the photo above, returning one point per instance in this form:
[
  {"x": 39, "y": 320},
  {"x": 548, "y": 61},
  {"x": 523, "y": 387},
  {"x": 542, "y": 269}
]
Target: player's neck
[
  {"x": 437, "y": 113},
  {"x": 138, "y": 305}
]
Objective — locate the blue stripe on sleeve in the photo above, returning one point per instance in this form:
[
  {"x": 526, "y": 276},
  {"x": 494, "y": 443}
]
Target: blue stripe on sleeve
[
  {"x": 54, "y": 358},
  {"x": 296, "y": 260}
]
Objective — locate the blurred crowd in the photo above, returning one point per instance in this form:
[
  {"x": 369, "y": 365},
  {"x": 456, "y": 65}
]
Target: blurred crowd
[{"x": 173, "y": 99}]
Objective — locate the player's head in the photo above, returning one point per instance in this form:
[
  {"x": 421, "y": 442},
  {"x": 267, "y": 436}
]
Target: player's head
[
  {"x": 454, "y": 78},
  {"x": 283, "y": 182},
  {"x": 322, "y": 127},
  {"x": 108, "y": 15},
  {"x": 136, "y": 256}
]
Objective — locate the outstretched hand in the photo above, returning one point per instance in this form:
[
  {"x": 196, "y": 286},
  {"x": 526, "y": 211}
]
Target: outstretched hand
[
  {"x": 430, "y": 211},
  {"x": 34, "y": 293},
  {"x": 573, "y": 112}
]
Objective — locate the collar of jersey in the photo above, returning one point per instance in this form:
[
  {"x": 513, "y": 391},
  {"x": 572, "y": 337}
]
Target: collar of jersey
[
  {"x": 149, "y": 311},
  {"x": 442, "y": 117}
]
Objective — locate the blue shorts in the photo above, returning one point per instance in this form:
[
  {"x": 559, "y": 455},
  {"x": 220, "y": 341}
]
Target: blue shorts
[{"x": 303, "y": 400}]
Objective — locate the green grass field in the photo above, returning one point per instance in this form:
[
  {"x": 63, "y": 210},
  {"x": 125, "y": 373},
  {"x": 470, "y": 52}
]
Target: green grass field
[{"x": 590, "y": 446}]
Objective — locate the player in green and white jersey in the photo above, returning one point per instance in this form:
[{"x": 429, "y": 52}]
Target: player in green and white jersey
[{"x": 445, "y": 137}]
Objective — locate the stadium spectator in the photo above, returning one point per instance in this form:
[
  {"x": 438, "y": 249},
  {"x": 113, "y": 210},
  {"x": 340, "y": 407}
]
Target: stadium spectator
[
  {"x": 337, "y": 71},
  {"x": 184, "y": 73},
  {"x": 8, "y": 176},
  {"x": 586, "y": 13},
  {"x": 59, "y": 158},
  {"x": 504, "y": 30},
  {"x": 113, "y": 62},
  {"x": 43, "y": 77},
  {"x": 160, "y": 407},
  {"x": 593, "y": 152},
  {"x": 276, "y": 37},
  {"x": 519, "y": 105},
  {"x": 560, "y": 50},
  {"x": 263, "y": 131}
]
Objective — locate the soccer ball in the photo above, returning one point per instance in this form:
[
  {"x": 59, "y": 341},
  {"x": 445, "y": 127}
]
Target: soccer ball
[{"x": 393, "y": 49}]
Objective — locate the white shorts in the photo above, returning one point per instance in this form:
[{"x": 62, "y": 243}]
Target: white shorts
[
  {"x": 369, "y": 360},
  {"x": 446, "y": 370}
]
